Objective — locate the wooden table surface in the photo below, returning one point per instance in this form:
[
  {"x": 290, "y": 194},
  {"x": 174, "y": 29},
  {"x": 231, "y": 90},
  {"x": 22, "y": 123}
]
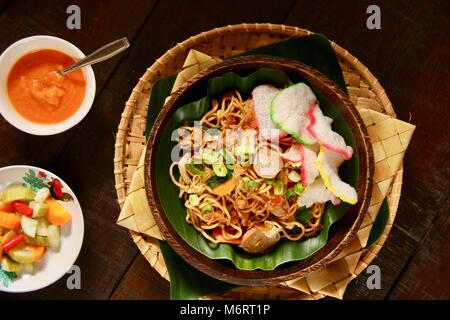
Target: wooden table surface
[{"x": 410, "y": 55}]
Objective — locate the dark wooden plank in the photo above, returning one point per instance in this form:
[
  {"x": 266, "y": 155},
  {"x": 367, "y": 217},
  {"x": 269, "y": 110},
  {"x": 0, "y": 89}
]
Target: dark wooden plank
[
  {"x": 427, "y": 276},
  {"x": 99, "y": 127},
  {"x": 3, "y": 4},
  {"x": 142, "y": 282},
  {"x": 102, "y": 262},
  {"x": 423, "y": 70},
  {"x": 344, "y": 22},
  {"x": 391, "y": 259},
  {"x": 100, "y": 270},
  {"x": 102, "y": 21},
  {"x": 418, "y": 90},
  {"x": 407, "y": 9}
]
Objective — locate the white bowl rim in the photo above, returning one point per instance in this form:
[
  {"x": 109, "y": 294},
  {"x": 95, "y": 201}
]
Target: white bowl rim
[
  {"x": 19, "y": 122},
  {"x": 62, "y": 272}
]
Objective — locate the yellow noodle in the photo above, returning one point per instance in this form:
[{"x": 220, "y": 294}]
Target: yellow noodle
[{"x": 232, "y": 215}]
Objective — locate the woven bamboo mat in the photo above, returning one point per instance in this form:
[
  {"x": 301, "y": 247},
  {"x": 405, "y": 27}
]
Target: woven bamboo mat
[{"x": 364, "y": 91}]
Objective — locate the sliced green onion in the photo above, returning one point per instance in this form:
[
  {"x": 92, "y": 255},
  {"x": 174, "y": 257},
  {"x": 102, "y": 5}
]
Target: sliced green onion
[
  {"x": 229, "y": 160},
  {"x": 253, "y": 184},
  {"x": 279, "y": 188},
  {"x": 194, "y": 169},
  {"x": 245, "y": 161},
  {"x": 290, "y": 193},
  {"x": 247, "y": 184},
  {"x": 207, "y": 208},
  {"x": 220, "y": 169},
  {"x": 244, "y": 184},
  {"x": 299, "y": 188},
  {"x": 273, "y": 231},
  {"x": 269, "y": 182},
  {"x": 243, "y": 152},
  {"x": 210, "y": 156},
  {"x": 243, "y": 149},
  {"x": 294, "y": 176},
  {"x": 194, "y": 200}
]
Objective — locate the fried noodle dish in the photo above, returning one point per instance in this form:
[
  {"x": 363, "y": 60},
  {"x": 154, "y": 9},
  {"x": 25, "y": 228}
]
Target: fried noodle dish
[{"x": 246, "y": 179}]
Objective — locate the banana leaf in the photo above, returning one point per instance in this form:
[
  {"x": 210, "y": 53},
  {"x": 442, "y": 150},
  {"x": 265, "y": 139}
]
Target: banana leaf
[
  {"x": 160, "y": 91},
  {"x": 285, "y": 251},
  {"x": 186, "y": 282},
  {"x": 314, "y": 51},
  {"x": 379, "y": 224}
]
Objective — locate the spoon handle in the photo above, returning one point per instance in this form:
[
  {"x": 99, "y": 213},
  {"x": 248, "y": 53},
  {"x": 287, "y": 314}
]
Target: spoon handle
[{"x": 105, "y": 52}]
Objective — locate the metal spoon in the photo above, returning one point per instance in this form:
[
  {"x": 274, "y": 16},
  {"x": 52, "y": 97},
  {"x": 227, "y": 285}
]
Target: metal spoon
[{"x": 105, "y": 52}]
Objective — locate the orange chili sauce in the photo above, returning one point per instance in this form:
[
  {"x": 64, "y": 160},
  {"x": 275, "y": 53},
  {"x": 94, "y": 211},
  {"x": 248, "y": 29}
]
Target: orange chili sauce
[{"x": 41, "y": 95}]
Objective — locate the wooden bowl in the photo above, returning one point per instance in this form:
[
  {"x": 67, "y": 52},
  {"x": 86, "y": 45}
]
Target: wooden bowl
[{"x": 344, "y": 230}]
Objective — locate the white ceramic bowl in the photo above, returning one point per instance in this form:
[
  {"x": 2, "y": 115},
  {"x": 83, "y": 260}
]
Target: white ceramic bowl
[
  {"x": 7, "y": 60},
  {"x": 53, "y": 265}
]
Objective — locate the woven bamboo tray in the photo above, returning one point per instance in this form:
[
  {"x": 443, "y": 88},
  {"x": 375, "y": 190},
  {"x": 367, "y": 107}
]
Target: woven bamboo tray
[{"x": 364, "y": 90}]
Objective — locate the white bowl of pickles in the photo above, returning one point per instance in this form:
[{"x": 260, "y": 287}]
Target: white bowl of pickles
[{"x": 41, "y": 228}]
